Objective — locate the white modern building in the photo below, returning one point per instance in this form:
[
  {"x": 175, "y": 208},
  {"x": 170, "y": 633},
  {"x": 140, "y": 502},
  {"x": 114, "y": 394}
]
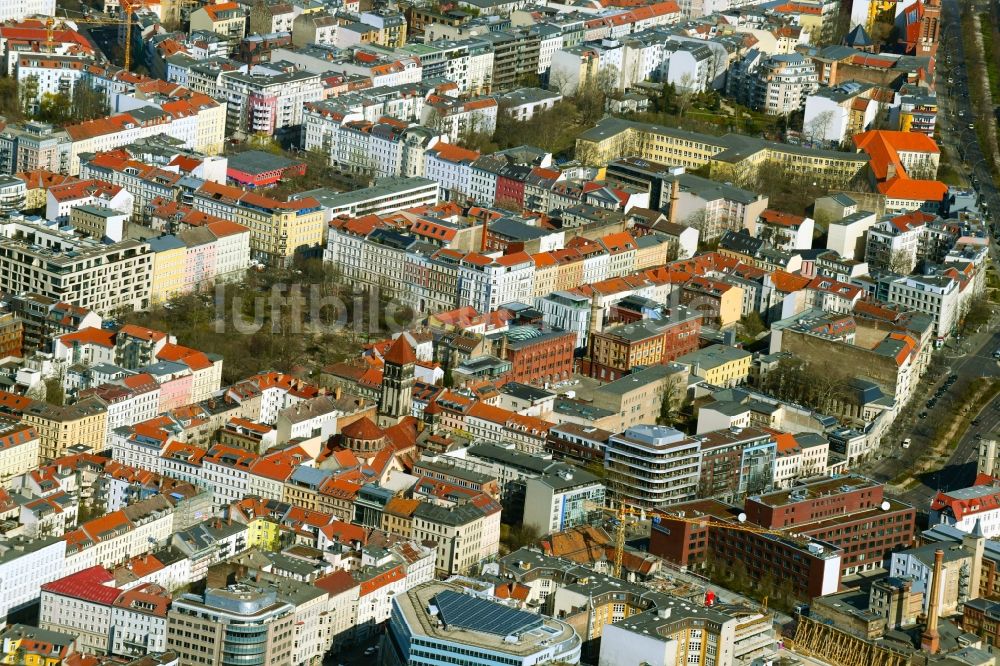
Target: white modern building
[
  {"x": 653, "y": 465},
  {"x": 937, "y": 296},
  {"x": 560, "y": 501},
  {"x": 25, "y": 566},
  {"x": 444, "y": 622}
]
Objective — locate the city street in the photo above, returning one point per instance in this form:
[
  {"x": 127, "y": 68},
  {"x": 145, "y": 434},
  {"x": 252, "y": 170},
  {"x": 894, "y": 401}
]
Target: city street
[
  {"x": 970, "y": 358},
  {"x": 959, "y": 468},
  {"x": 965, "y": 140}
]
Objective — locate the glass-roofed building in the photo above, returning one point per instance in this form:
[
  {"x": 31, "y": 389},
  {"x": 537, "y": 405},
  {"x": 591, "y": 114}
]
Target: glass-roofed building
[{"x": 439, "y": 624}]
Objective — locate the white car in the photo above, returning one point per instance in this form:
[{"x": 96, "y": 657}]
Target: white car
[{"x": 906, "y": 443}]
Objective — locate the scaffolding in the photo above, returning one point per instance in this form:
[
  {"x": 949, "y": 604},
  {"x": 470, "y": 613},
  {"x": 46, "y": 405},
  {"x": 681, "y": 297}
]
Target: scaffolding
[{"x": 827, "y": 642}]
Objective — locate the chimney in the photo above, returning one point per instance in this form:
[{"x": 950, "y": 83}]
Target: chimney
[
  {"x": 482, "y": 241},
  {"x": 596, "y": 315},
  {"x": 337, "y": 393},
  {"x": 930, "y": 639},
  {"x": 675, "y": 194},
  {"x": 503, "y": 346}
]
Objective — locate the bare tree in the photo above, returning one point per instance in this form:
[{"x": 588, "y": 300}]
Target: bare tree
[
  {"x": 900, "y": 261},
  {"x": 685, "y": 94},
  {"x": 819, "y": 126}
]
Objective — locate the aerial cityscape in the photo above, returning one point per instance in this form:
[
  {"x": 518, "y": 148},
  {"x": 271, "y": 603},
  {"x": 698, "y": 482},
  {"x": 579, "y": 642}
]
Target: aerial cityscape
[{"x": 499, "y": 333}]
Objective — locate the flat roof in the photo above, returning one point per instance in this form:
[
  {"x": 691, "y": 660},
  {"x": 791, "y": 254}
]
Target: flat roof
[
  {"x": 476, "y": 622},
  {"x": 259, "y": 161}
]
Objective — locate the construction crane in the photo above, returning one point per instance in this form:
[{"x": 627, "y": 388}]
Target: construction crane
[
  {"x": 128, "y": 9},
  {"x": 624, "y": 511}
]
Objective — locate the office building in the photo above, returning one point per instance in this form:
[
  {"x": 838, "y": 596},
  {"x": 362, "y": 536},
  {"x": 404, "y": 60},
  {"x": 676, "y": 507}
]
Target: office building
[
  {"x": 238, "y": 624},
  {"x": 440, "y": 624}
]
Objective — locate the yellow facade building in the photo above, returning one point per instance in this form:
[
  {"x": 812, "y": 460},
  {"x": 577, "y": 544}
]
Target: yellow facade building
[
  {"x": 278, "y": 229},
  {"x": 62, "y": 426},
  {"x": 167, "y": 279},
  {"x": 730, "y": 157},
  {"x": 719, "y": 365}
]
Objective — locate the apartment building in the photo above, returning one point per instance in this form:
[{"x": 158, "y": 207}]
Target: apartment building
[
  {"x": 265, "y": 101},
  {"x": 614, "y": 352},
  {"x": 936, "y": 296},
  {"x": 652, "y": 466},
  {"x": 466, "y": 534},
  {"x": 62, "y": 426},
  {"x": 102, "y": 616},
  {"x": 278, "y": 230},
  {"x": 719, "y": 365},
  {"x": 515, "y": 54},
  {"x": 19, "y": 450},
  {"x": 894, "y": 243},
  {"x": 836, "y": 113},
  {"x": 227, "y": 19},
  {"x": 195, "y": 119},
  {"x": 25, "y": 565},
  {"x": 561, "y": 501},
  {"x": 120, "y": 535},
  {"x": 34, "y": 146},
  {"x": 782, "y": 83}
]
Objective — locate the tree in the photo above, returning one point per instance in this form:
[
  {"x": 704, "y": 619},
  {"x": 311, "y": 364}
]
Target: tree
[
  {"x": 28, "y": 91},
  {"x": 671, "y": 399},
  {"x": 54, "y": 108},
  {"x": 88, "y": 103},
  {"x": 752, "y": 324},
  {"x": 978, "y": 313},
  {"x": 900, "y": 261},
  {"x": 11, "y": 105},
  {"x": 517, "y": 536},
  {"x": 819, "y": 126},
  {"x": 685, "y": 93}
]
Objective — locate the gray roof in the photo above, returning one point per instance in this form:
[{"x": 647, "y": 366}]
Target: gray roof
[
  {"x": 653, "y": 373},
  {"x": 164, "y": 243},
  {"x": 529, "y": 96},
  {"x": 714, "y": 356},
  {"x": 383, "y": 187},
  {"x": 259, "y": 161}
]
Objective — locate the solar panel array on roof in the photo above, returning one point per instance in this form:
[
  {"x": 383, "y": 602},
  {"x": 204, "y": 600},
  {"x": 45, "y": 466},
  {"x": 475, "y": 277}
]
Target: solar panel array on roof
[{"x": 469, "y": 612}]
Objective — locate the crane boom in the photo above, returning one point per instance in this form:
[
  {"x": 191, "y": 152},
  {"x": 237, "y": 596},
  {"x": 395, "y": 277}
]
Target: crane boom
[{"x": 128, "y": 9}]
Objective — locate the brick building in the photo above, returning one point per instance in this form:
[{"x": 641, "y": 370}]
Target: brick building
[
  {"x": 812, "y": 568},
  {"x": 537, "y": 355},
  {"x": 849, "y": 516},
  {"x": 616, "y": 351}
]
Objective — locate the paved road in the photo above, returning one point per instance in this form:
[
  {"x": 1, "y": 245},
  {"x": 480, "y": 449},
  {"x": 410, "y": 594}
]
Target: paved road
[
  {"x": 966, "y": 141},
  {"x": 969, "y": 360}
]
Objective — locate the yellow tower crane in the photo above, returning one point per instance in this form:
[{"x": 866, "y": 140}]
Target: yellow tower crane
[{"x": 128, "y": 10}]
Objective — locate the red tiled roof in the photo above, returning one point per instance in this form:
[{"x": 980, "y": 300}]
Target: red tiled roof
[
  {"x": 913, "y": 190},
  {"x": 95, "y": 585},
  {"x": 400, "y": 353},
  {"x": 988, "y": 500},
  {"x": 363, "y": 429},
  {"x": 89, "y": 336}
]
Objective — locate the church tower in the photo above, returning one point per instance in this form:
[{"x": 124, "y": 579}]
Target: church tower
[{"x": 396, "y": 400}]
